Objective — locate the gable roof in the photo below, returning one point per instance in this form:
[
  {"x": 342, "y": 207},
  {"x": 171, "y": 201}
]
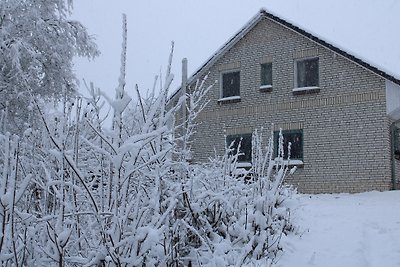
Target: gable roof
[
  {"x": 264, "y": 14},
  {"x": 329, "y": 46}
]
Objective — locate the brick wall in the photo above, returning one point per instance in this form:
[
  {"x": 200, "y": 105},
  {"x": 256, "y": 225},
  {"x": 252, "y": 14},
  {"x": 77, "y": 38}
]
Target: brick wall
[{"x": 345, "y": 128}]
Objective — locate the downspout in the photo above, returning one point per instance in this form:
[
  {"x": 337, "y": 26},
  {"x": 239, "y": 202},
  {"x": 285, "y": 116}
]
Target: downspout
[
  {"x": 392, "y": 132},
  {"x": 185, "y": 106},
  {"x": 184, "y": 88}
]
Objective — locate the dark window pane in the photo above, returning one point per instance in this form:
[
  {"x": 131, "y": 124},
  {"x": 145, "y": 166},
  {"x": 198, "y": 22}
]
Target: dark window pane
[
  {"x": 307, "y": 73},
  {"x": 231, "y": 84},
  {"x": 266, "y": 74},
  {"x": 396, "y": 143},
  {"x": 301, "y": 74},
  {"x": 245, "y": 146},
  {"x": 293, "y": 136}
]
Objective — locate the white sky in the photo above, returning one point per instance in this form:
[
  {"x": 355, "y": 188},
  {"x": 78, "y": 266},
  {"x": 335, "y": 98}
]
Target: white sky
[{"x": 368, "y": 29}]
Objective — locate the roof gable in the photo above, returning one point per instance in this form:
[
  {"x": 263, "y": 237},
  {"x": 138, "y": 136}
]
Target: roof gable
[
  {"x": 330, "y": 46},
  {"x": 264, "y": 14}
]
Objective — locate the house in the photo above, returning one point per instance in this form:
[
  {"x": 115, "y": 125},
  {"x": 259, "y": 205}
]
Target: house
[{"x": 339, "y": 112}]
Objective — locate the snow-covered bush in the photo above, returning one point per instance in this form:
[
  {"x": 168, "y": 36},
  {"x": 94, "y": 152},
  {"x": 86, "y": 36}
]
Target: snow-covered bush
[
  {"x": 76, "y": 193},
  {"x": 235, "y": 216}
]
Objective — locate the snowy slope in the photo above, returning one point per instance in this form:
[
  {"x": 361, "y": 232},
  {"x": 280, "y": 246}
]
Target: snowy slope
[{"x": 359, "y": 230}]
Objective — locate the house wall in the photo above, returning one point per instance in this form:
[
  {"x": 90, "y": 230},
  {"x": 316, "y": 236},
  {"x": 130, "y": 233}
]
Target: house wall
[{"x": 345, "y": 128}]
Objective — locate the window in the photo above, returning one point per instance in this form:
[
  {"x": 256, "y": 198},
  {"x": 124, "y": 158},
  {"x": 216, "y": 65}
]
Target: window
[
  {"x": 231, "y": 84},
  {"x": 245, "y": 146},
  {"x": 266, "y": 76},
  {"x": 296, "y": 138},
  {"x": 396, "y": 143},
  {"x": 307, "y": 73}
]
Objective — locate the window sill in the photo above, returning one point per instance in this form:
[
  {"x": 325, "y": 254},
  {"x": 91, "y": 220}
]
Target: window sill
[
  {"x": 292, "y": 162},
  {"x": 266, "y": 88},
  {"x": 243, "y": 164},
  {"x": 306, "y": 90},
  {"x": 230, "y": 99}
]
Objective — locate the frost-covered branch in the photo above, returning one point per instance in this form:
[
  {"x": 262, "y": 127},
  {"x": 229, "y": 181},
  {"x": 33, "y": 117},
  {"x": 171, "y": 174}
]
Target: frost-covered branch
[{"x": 76, "y": 192}]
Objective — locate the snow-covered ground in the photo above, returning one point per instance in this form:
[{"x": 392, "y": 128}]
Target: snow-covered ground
[{"x": 346, "y": 230}]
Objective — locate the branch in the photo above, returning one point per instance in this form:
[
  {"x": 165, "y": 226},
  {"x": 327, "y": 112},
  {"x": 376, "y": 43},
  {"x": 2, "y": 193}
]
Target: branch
[{"x": 68, "y": 159}]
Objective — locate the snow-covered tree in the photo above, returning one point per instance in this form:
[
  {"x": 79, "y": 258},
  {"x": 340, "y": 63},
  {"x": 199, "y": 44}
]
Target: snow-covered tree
[{"x": 37, "y": 44}]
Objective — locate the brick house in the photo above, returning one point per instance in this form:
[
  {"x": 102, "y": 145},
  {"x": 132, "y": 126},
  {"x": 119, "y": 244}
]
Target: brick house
[{"x": 338, "y": 111}]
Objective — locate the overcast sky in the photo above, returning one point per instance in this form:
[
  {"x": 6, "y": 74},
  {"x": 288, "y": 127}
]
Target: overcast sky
[{"x": 367, "y": 28}]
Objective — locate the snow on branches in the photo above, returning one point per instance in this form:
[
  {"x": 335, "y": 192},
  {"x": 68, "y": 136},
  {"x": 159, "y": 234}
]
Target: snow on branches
[
  {"x": 75, "y": 193},
  {"x": 37, "y": 45}
]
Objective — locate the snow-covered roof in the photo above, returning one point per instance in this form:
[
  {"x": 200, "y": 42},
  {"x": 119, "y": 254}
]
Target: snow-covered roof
[{"x": 313, "y": 37}]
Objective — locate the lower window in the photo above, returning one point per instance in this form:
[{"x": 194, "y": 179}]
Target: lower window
[
  {"x": 295, "y": 137},
  {"x": 244, "y": 140}
]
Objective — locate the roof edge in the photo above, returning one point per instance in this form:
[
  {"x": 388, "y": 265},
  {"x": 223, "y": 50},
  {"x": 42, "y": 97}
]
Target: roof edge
[
  {"x": 226, "y": 46},
  {"x": 253, "y": 22},
  {"x": 331, "y": 47}
]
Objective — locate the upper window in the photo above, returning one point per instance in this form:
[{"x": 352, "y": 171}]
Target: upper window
[
  {"x": 245, "y": 146},
  {"x": 307, "y": 73},
  {"x": 295, "y": 137},
  {"x": 230, "y": 84},
  {"x": 266, "y": 76}
]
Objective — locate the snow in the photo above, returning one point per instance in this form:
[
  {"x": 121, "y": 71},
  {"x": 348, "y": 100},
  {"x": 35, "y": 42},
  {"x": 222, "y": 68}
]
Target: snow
[
  {"x": 243, "y": 164},
  {"x": 291, "y": 162},
  {"x": 229, "y": 98},
  {"x": 308, "y": 88},
  {"x": 121, "y": 104},
  {"x": 264, "y": 87},
  {"x": 63, "y": 237},
  {"x": 345, "y": 230}
]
